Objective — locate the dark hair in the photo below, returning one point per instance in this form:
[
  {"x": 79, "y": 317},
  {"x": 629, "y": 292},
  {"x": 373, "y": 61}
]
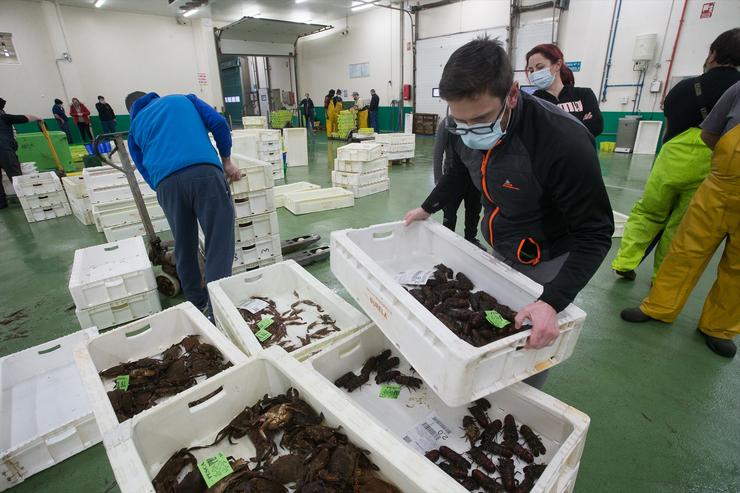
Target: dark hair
[
  {"x": 131, "y": 99},
  {"x": 726, "y": 48},
  {"x": 100, "y": 97},
  {"x": 553, "y": 53},
  {"x": 478, "y": 67},
  {"x": 57, "y": 101},
  {"x": 331, "y": 93},
  {"x": 372, "y": 90}
]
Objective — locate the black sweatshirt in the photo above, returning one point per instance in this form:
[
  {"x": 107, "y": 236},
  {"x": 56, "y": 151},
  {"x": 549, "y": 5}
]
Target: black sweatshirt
[
  {"x": 374, "y": 102},
  {"x": 581, "y": 103},
  {"x": 542, "y": 193},
  {"x": 105, "y": 112}
]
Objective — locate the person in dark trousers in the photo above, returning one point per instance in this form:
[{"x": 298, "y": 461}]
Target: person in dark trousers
[
  {"x": 373, "y": 107},
  {"x": 546, "y": 210},
  {"x": 9, "y": 162},
  {"x": 443, "y": 158},
  {"x": 555, "y": 83},
  {"x": 169, "y": 144},
  {"x": 107, "y": 116},
  {"x": 61, "y": 117},
  {"x": 81, "y": 116},
  {"x": 307, "y": 109}
]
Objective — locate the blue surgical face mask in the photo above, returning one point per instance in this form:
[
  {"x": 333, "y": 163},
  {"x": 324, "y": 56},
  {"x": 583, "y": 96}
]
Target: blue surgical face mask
[
  {"x": 542, "y": 79},
  {"x": 485, "y": 141}
]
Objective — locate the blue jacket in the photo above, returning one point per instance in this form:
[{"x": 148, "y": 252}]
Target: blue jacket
[{"x": 171, "y": 133}]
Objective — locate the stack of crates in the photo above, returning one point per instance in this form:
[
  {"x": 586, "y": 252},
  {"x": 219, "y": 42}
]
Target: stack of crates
[
  {"x": 113, "y": 283},
  {"x": 361, "y": 169},
  {"x": 397, "y": 146},
  {"x": 254, "y": 122},
  {"x": 42, "y": 196},
  {"x": 7, "y": 183},
  {"x": 281, "y": 118},
  {"x": 264, "y": 145},
  {"x": 79, "y": 200},
  {"x": 346, "y": 123}
]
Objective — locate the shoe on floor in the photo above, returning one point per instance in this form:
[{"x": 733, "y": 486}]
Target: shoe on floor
[
  {"x": 723, "y": 347},
  {"x": 634, "y": 315},
  {"x": 477, "y": 243},
  {"x": 630, "y": 275}
]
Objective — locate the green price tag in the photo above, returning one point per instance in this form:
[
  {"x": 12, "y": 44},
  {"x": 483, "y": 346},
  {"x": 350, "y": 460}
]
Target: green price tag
[
  {"x": 122, "y": 382},
  {"x": 495, "y": 319},
  {"x": 389, "y": 391},
  {"x": 262, "y": 335},
  {"x": 215, "y": 468},
  {"x": 264, "y": 323}
]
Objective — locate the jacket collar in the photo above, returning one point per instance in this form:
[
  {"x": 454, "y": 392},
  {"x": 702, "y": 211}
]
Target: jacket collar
[{"x": 142, "y": 102}]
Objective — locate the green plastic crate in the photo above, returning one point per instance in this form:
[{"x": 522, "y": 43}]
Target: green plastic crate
[{"x": 33, "y": 147}]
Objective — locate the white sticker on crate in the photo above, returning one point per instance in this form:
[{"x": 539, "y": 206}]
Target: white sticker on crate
[
  {"x": 414, "y": 277},
  {"x": 429, "y": 434},
  {"x": 254, "y": 305}
]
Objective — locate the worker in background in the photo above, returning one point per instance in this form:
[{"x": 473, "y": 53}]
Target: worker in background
[
  {"x": 360, "y": 108},
  {"x": 337, "y": 107},
  {"x": 107, "y": 116},
  {"x": 61, "y": 117},
  {"x": 373, "y": 110},
  {"x": 546, "y": 70},
  {"x": 682, "y": 163},
  {"x": 444, "y": 157},
  {"x": 307, "y": 109},
  {"x": 546, "y": 210},
  {"x": 712, "y": 218},
  {"x": 81, "y": 116},
  {"x": 329, "y": 110},
  {"x": 169, "y": 144},
  {"x": 9, "y": 162}
]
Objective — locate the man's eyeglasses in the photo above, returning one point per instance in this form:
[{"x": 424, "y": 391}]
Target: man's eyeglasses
[{"x": 477, "y": 130}]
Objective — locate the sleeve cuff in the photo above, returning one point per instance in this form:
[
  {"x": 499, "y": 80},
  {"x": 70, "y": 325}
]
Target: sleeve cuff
[{"x": 555, "y": 299}]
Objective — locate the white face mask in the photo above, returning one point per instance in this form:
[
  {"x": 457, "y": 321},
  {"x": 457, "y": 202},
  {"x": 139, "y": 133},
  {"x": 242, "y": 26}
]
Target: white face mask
[
  {"x": 483, "y": 142},
  {"x": 542, "y": 79}
]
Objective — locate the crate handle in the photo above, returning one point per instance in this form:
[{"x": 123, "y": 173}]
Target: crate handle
[
  {"x": 382, "y": 234},
  {"x": 347, "y": 352},
  {"x": 249, "y": 247},
  {"x": 119, "y": 307},
  {"x": 49, "y": 350},
  {"x": 110, "y": 248},
  {"x": 49, "y": 209},
  {"x": 42, "y": 197},
  {"x": 200, "y": 403},
  {"x": 139, "y": 331},
  {"x": 246, "y": 225},
  {"x": 239, "y": 201},
  {"x": 250, "y": 280},
  {"x": 36, "y": 184},
  {"x": 114, "y": 283}
]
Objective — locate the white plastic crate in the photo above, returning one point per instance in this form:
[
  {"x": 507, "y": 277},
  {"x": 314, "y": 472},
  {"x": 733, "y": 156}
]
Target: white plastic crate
[
  {"x": 250, "y": 251},
  {"x": 299, "y": 186},
  {"x": 238, "y": 269},
  {"x": 359, "y": 179},
  {"x": 108, "y": 217},
  {"x": 81, "y": 209},
  {"x": 139, "y": 447},
  {"x": 50, "y": 212},
  {"x": 265, "y": 135},
  {"x": 7, "y": 186},
  {"x": 620, "y": 220},
  {"x": 365, "y": 190},
  {"x": 270, "y": 156},
  {"x": 296, "y": 146},
  {"x": 323, "y": 199},
  {"x": 284, "y": 283},
  {"x": 107, "y": 176},
  {"x": 118, "y": 193},
  {"x": 44, "y": 200},
  {"x": 46, "y": 416},
  {"x": 244, "y": 144},
  {"x": 361, "y": 166},
  {"x": 119, "y": 311},
  {"x": 395, "y": 138},
  {"x": 398, "y": 148},
  {"x": 395, "y": 156},
  {"x": 366, "y": 261},
  {"x": 36, "y": 184},
  {"x": 252, "y": 203},
  {"x": 116, "y": 233},
  {"x": 269, "y": 146},
  {"x": 562, "y": 428},
  {"x": 256, "y": 227},
  {"x": 256, "y": 175},
  {"x": 109, "y": 272},
  {"x": 137, "y": 340},
  {"x": 359, "y": 152},
  {"x": 75, "y": 186},
  {"x": 278, "y": 174},
  {"x": 255, "y": 121}
]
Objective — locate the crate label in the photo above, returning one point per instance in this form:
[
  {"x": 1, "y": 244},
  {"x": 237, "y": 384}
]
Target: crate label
[
  {"x": 254, "y": 305},
  {"x": 389, "y": 391},
  {"x": 122, "y": 382},
  {"x": 215, "y": 468},
  {"x": 431, "y": 433},
  {"x": 265, "y": 323},
  {"x": 262, "y": 335},
  {"x": 414, "y": 277},
  {"x": 494, "y": 318}
]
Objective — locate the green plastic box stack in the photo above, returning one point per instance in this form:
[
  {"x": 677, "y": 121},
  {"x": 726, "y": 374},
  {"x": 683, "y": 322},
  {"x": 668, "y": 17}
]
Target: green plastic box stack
[
  {"x": 280, "y": 118},
  {"x": 33, "y": 147},
  {"x": 368, "y": 130},
  {"x": 346, "y": 123}
]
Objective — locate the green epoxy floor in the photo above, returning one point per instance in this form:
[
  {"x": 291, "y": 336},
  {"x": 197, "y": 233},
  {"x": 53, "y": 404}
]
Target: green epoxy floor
[{"x": 665, "y": 411}]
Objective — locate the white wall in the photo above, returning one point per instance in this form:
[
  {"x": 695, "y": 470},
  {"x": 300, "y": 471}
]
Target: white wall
[{"x": 469, "y": 15}]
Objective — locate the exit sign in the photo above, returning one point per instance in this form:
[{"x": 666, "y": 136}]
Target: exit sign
[{"x": 574, "y": 66}]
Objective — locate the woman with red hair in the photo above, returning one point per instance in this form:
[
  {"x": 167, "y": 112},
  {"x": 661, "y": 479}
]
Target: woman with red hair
[{"x": 554, "y": 81}]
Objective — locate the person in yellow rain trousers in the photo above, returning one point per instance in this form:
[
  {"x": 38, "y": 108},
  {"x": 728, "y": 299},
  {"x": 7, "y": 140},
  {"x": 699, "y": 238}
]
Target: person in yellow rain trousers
[
  {"x": 683, "y": 161},
  {"x": 712, "y": 217},
  {"x": 329, "y": 111},
  {"x": 361, "y": 109},
  {"x": 337, "y": 108}
]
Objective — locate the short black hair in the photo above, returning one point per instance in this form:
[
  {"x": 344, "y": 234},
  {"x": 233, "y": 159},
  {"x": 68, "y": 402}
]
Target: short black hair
[
  {"x": 57, "y": 101},
  {"x": 131, "y": 99},
  {"x": 726, "y": 48},
  {"x": 100, "y": 97},
  {"x": 478, "y": 67}
]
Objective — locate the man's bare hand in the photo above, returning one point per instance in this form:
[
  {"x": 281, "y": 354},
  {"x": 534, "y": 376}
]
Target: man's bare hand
[
  {"x": 33, "y": 118},
  {"x": 417, "y": 214},
  {"x": 232, "y": 172},
  {"x": 544, "y": 320}
]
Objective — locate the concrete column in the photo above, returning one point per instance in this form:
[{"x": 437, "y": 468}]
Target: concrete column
[
  {"x": 206, "y": 59},
  {"x": 65, "y": 59}
]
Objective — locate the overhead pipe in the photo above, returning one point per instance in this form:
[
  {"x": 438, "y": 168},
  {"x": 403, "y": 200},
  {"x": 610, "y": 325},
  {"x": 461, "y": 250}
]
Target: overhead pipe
[
  {"x": 610, "y": 49},
  {"x": 673, "y": 51}
]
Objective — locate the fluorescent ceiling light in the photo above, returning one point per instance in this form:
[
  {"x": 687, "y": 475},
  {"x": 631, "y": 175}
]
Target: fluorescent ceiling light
[
  {"x": 361, "y": 6},
  {"x": 99, "y": 3},
  {"x": 301, "y": 1},
  {"x": 189, "y": 12}
]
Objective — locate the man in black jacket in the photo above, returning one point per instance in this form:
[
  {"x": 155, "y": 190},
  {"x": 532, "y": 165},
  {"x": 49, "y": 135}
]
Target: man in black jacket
[
  {"x": 107, "y": 116},
  {"x": 307, "y": 110},
  {"x": 373, "y": 109},
  {"x": 547, "y": 213},
  {"x": 8, "y": 158}
]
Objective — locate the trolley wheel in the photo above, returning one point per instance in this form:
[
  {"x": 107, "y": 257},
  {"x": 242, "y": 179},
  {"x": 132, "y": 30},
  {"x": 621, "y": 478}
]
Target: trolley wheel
[{"x": 168, "y": 285}]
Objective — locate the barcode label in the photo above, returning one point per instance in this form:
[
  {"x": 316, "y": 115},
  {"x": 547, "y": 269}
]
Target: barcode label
[
  {"x": 441, "y": 425},
  {"x": 254, "y": 305},
  {"x": 429, "y": 434},
  {"x": 414, "y": 277}
]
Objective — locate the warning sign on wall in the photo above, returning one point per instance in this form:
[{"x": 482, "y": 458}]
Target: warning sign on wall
[
  {"x": 202, "y": 78},
  {"x": 706, "y": 10}
]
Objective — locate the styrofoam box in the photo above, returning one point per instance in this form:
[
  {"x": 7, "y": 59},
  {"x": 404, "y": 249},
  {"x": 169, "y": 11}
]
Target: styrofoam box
[
  {"x": 119, "y": 311},
  {"x": 365, "y": 190},
  {"x": 119, "y": 216},
  {"x": 361, "y": 166},
  {"x": 36, "y": 184},
  {"x": 296, "y": 146},
  {"x": 43, "y": 200},
  {"x": 118, "y": 193},
  {"x": 252, "y": 203},
  {"x": 395, "y": 138},
  {"x": 256, "y": 175},
  {"x": 139, "y": 447},
  {"x": 323, "y": 199},
  {"x": 116, "y": 233},
  {"x": 50, "y": 212},
  {"x": 366, "y": 262},
  {"x": 259, "y": 226},
  {"x": 359, "y": 179},
  {"x": 46, "y": 416},
  {"x": 75, "y": 186},
  {"x": 562, "y": 428},
  {"x": 250, "y": 251},
  {"x": 280, "y": 283},
  {"x": 141, "y": 339},
  {"x": 109, "y": 272},
  {"x": 620, "y": 220},
  {"x": 299, "y": 186},
  {"x": 359, "y": 152}
]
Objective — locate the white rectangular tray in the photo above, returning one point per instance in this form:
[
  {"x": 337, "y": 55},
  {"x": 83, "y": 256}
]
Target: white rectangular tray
[
  {"x": 110, "y": 272},
  {"x": 296, "y": 146},
  {"x": 395, "y": 138},
  {"x": 36, "y": 184},
  {"x": 359, "y": 152},
  {"x": 365, "y": 190},
  {"x": 359, "y": 179},
  {"x": 620, "y": 220},
  {"x": 49, "y": 212},
  {"x": 323, "y": 199},
  {"x": 252, "y": 203},
  {"x": 119, "y": 311},
  {"x": 116, "y": 233},
  {"x": 280, "y": 282},
  {"x": 398, "y": 148},
  {"x": 118, "y": 193},
  {"x": 139, "y": 448},
  {"x": 361, "y": 166},
  {"x": 248, "y": 252},
  {"x": 126, "y": 214},
  {"x": 46, "y": 416},
  {"x": 366, "y": 262},
  {"x": 254, "y": 120},
  {"x": 75, "y": 186},
  {"x": 562, "y": 428},
  {"x": 395, "y": 156},
  {"x": 44, "y": 200},
  {"x": 141, "y": 339},
  {"x": 255, "y": 174},
  {"x": 264, "y": 135},
  {"x": 299, "y": 186}
]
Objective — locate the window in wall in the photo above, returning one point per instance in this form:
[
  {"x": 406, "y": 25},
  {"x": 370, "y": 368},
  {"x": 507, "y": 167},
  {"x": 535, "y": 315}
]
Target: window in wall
[
  {"x": 358, "y": 70},
  {"x": 8, "y": 55}
]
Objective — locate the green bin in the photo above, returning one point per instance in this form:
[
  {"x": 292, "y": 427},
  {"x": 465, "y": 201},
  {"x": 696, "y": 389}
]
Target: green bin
[{"x": 33, "y": 147}]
